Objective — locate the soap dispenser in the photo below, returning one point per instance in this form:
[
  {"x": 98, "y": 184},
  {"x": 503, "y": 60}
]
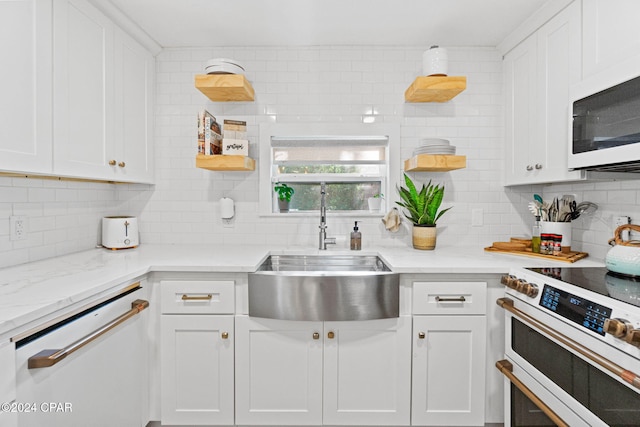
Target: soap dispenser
[{"x": 356, "y": 238}]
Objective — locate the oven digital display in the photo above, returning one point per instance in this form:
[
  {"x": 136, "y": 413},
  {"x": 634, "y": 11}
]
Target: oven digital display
[{"x": 579, "y": 310}]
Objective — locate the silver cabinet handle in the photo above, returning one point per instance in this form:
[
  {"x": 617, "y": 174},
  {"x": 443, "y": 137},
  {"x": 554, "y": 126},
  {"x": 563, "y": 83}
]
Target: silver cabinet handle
[
  {"x": 529, "y": 167},
  {"x": 47, "y": 358},
  {"x": 186, "y": 297},
  {"x": 451, "y": 299},
  {"x": 538, "y": 166}
]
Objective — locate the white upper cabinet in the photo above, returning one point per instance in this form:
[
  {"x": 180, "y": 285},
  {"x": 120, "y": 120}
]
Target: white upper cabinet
[
  {"x": 610, "y": 33},
  {"x": 83, "y": 90},
  {"x": 103, "y": 94},
  {"x": 134, "y": 89},
  {"x": 538, "y": 73},
  {"x": 25, "y": 85}
]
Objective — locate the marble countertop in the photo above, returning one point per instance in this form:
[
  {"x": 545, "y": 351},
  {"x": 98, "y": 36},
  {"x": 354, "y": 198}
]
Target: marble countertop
[{"x": 31, "y": 291}]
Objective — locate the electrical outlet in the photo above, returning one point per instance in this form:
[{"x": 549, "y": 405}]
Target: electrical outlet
[
  {"x": 18, "y": 225},
  {"x": 622, "y": 220}
]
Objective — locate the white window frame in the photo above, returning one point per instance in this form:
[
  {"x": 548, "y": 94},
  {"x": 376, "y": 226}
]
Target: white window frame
[{"x": 325, "y": 130}]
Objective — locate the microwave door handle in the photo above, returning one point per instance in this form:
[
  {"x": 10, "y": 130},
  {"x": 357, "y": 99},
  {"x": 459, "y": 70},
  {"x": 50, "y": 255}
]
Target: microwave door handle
[
  {"x": 47, "y": 358},
  {"x": 506, "y": 368}
]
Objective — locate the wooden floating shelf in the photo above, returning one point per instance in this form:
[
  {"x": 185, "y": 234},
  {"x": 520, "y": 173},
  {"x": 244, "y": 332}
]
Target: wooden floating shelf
[
  {"x": 435, "y": 163},
  {"x": 225, "y": 87},
  {"x": 225, "y": 163},
  {"x": 435, "y": 88}
]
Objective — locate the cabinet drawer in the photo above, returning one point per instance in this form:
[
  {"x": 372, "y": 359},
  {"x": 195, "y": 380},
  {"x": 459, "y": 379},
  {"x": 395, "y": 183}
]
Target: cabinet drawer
[
  {"x": 197, "y": 297},
  {"x": 449, "y": 298}
]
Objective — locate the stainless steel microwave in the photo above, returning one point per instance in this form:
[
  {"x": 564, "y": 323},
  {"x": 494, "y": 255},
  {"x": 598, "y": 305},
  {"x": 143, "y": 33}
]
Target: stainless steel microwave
[{"x": 605, "y": 120}]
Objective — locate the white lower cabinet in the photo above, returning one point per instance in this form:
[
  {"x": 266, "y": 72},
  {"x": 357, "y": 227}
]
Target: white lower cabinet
[
  {"x": 449, "y": 354},
  {"x": 331, "y": 373},
  {"x": 8, "y": 383},
  {"x": 197, "y": 352}
]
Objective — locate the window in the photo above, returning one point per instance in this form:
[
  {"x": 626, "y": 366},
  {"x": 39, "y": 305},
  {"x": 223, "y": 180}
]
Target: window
[{"x": 354, "y": 166}]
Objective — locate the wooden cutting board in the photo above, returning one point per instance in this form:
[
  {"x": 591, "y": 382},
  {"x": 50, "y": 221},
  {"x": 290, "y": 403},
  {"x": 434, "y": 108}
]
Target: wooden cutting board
[{"x": 563, "y": 256}]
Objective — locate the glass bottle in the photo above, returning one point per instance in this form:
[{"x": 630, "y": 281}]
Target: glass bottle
[{"x": 535, "y": 236}]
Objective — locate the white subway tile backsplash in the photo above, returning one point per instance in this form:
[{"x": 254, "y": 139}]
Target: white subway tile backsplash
[{"x": 325, "y": 84}]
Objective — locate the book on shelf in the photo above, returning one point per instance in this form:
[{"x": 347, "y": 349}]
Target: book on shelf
[
  {"x": 237, "y": 147},
  {"x": 234, "y": 129},
  {"x": 209, "y": 134}
]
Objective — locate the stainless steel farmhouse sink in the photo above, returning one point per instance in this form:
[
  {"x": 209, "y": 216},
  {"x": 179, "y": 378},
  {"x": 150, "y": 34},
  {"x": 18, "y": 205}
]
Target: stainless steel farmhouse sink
[{"x": 324, "y": 287}]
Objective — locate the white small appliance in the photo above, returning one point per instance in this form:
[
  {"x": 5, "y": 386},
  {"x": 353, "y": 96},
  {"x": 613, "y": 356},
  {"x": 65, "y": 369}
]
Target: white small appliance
[{"x": 120, "y": 232}]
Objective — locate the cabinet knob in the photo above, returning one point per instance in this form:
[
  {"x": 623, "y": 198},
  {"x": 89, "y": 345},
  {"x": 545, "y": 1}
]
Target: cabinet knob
[
  {"x": 529, "y": 167},
  {"x": 330, "y": 335},
  {"x": 633, "y": 337},
  {"x": 112, "y": 162},
  {"x": 316, "y": 336},
  {"x": 121, "y": 164},
  {"x": 421, "y": 335},
  {"x": 538, "y": 166},
  {"x": 225, "y": 335},
  {"x": 617, "y": 327}
]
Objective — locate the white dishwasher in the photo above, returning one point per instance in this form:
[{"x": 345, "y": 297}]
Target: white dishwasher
[{"x": 87, "y": 367}]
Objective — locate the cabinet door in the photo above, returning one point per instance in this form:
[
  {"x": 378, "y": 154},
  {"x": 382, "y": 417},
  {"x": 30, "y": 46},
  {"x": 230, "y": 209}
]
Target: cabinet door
[
  {"x": 278, "y": 372},
  {"x": 449, "y": 354},
  {"x": 520, "y": 67},
  {"x": 197, "y": 367},
  {"x": 134, "y": 89},
  {"x": 559, "y": 67},
  {"x": 8, "y": 382},
  {"x": 538, "y": 73},
  {"x": 25, "y": 85},
  {"x": 367, "y": 372},
  {"x": 610, "y": 33},
  {"x": 82, "y": 91}
]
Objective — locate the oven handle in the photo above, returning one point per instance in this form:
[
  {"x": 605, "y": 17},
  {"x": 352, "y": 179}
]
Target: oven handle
[
  {"x": 506, "y": 368},
  {"x": 624, "y": 374},
  {"x": 47, "y": 358}
]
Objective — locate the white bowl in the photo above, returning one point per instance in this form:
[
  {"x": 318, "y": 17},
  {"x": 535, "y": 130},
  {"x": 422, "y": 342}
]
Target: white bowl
[
  {"x": 223, "y": 66},
  {"x": 433, "y": 141}
]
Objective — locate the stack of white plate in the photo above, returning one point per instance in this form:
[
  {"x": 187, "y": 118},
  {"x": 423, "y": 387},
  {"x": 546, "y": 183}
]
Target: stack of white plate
[
  {"x": 434, "y": 146},
  {"x": 223, "y": 66}
]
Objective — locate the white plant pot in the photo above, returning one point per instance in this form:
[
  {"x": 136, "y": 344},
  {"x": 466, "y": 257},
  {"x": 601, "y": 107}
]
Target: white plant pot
[{"x": 375, "y": 204}]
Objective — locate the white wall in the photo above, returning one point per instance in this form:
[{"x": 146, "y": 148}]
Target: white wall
[
  {"x": 62, "y": 216},
  {"x": 328, "y": 85},
  {"x": 303, "y": 85}
]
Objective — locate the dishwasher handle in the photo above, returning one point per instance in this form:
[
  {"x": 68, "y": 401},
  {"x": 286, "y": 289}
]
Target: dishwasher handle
[{"x": 47, "y": 358}]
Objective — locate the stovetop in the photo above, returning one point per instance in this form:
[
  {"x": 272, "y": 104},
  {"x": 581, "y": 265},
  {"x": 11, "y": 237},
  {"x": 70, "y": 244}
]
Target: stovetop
[{"x": 599, "y": 280}]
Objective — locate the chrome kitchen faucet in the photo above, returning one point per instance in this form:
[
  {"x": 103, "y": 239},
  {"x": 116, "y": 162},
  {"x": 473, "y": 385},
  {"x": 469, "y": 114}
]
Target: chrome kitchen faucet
[{"x": 324, "y": 240}]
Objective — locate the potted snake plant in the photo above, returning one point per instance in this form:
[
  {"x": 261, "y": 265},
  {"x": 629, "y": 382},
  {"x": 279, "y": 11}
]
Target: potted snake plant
[{"x": 422, "y": 208}]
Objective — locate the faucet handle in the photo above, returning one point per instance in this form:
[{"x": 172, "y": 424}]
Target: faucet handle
[{"x": 330, "y": 240}]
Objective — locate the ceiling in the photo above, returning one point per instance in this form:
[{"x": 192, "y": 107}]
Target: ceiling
[{"x": 193, "y": 23}]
